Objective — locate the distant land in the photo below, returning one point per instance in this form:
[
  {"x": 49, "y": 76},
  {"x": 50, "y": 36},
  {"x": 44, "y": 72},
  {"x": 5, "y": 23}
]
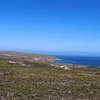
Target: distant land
[{"x": 89, "y": 61}]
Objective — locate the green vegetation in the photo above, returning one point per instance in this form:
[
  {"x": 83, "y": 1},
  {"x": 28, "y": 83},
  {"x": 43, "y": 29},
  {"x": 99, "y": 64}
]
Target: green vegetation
[{"x": 41, "y": 82}]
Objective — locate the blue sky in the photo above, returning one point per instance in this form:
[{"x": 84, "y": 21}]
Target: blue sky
[{"x": 65, "y": 26}]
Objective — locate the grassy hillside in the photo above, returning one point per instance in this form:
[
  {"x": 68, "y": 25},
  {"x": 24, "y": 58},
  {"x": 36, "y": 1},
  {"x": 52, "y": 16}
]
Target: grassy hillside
[{"x": 41, "y": 82}]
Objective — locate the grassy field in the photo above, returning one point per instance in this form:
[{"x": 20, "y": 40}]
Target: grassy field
[{"x": 42, "y": 82}]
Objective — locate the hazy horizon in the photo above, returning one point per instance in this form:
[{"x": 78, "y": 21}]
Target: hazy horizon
[{"x": 54, "y": 53}]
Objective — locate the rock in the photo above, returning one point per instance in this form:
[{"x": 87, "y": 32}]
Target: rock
[{"x": 1, "y": 73}]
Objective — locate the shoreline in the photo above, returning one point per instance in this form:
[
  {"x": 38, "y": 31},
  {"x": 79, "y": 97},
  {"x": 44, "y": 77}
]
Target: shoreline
[{"x": 57, "y": 61}]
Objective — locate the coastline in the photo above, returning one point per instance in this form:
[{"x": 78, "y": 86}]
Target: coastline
[{"x": 79, "y": 61}]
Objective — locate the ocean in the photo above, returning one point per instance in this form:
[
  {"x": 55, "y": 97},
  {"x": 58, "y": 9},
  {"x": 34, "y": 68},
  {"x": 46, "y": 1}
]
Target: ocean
[{"x": 80, "y": 60}]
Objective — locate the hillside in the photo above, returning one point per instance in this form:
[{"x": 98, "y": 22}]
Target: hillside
[{"x": 43, "y": 82}]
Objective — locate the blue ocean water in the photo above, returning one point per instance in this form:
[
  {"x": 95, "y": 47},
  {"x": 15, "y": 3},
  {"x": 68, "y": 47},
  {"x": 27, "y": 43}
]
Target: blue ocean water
[{"x": 80, "y": 60}]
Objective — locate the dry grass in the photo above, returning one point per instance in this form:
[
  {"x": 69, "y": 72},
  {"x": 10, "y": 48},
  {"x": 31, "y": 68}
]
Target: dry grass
[{"x": 41, "y": 82}]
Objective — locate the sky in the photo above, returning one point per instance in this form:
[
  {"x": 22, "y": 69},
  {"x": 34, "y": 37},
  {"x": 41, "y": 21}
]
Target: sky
[{"x": 60, "y": 26}]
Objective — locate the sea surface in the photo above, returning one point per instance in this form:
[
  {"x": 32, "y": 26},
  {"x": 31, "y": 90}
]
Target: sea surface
[{"x": 80, "y": 60}]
